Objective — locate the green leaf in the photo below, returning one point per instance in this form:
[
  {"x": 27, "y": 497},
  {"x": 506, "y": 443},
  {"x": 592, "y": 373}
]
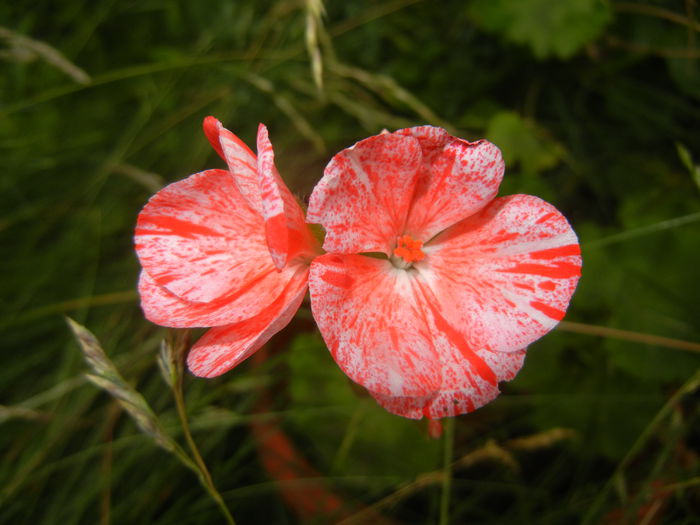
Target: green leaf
[
  {"x": 548, "y": 27},
  {"x": 523, "y": 143}
]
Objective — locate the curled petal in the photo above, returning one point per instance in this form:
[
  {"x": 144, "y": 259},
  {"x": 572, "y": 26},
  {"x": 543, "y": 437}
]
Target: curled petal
[
  {"x": 368, "y": 316},
  {"x": 166, "y": 309},
  {"x": 200, "y": 240},
  {"x": 504, "y": 276},
  {"x": 224, "y": 347},
  {"x": 364, "y": 196},
  {"x": 242, "y": 162},
  {"x": 457, "y": 180},
  {"x": 285, "y": 228}
]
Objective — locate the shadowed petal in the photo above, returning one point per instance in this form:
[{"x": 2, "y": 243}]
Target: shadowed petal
[
  {"x": 224, "y": 347},
  {"x": 368, "y": 316},
  {"x": 200, "y": 240},
  {"x": 165, "y": 309},
  {"x": 364, "y": 196},
  {"x": 457, "y": 180},
  {"x": 504, "y": 277},
  {"x": 285, "y": 228}
]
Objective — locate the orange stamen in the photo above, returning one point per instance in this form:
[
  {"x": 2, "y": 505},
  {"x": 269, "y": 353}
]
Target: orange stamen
[{"x": 409, "y": 249}]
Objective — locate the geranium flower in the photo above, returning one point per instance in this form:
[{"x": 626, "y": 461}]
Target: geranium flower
[
  {"x": 227, "y": 249},
  {"x": 432, "y": 288}
]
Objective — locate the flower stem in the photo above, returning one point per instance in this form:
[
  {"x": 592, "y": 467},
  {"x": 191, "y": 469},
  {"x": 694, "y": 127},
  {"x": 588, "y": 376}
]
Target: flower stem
[
  {"x": 447, "y": 471},
  {"x": 200, "y": 465}
]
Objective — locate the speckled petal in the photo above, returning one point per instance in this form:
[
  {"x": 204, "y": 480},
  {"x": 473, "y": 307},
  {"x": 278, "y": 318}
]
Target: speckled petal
[
  {"x": 224, "y": 347},
  {"x": 456, "y": 399},
  {"x": 200, "y": 240},
  {"x": 504, "y": 277},
  {"x": 286, "y": 231},
  {"x": 242, "y": 163},
  {"x": 165, "y": 309},
  {"x": 458, "y": 178},
  {"x": 368, "y": 316},
  {"x": 363, "y": 198}
]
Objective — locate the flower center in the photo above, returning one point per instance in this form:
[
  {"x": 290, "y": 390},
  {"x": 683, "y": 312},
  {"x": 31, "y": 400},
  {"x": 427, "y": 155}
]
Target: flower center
[{"x": 407, "y": 251}]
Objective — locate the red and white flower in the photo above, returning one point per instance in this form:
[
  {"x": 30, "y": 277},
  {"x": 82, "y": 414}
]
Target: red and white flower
[
  {"x": 227, "y": 249},
  {"x": 432, "y": 287}
]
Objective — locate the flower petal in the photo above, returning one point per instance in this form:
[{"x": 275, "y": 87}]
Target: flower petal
[
  {"x": 457, "y": 180},
  {"x": 166, "y": 309},
  {"x": 200, "y": 240},
  {"x": 364, "y": 196},
  {"x": 457, "y": 398},
  {"x": 224, "y": 347},
  {"x": 242, "y": 162},
  {"x": 285, "y": 228},
  {"x": 504, "y": 276},
  {"x": 368, "y": 316}
]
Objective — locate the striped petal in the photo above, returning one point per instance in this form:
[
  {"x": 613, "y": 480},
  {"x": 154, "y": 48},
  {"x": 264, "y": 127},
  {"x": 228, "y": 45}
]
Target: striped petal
[
  {"x": 457, "y": 180},
  {"x": 386, "y": 331},
  {"x": 242, "y": 162},
  {"x": 200, "y": 240},
  {"x": 460, "y": 397},
  {"x": 286, "y": 231},
  {"x": 166, "y": 309},
  {"x": 367, "y": 313},
  {"x": 224, "y": 347},
  {"x": 504, "y": 276},
  {"x": 364, "y": 196}
]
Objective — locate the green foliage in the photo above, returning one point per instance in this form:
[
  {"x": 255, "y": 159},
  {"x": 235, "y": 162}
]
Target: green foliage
[
  {"x": 101, "y": 103},
  {"x": 342, "y": 422},
  {"x": 548, "y": 27},
  {"x": 522, "y": 143}
]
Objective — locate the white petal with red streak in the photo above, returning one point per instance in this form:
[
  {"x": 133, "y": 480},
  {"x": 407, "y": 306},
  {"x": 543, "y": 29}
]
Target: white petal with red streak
[
  {"x": 200, "y": 240},
  {"x": 224, "y": 347},
  {"x": 367, "y": 313},
  {"x": 504, "y": 277},
  {"x": 165, "y": 309},
  {"x": 453, "y": 400},
  {"x": 458, "y": 178},
  {"x": 242, "y": 162},
  {"x": 363, "y": 198},
  {"x": 285, "y": 228}
]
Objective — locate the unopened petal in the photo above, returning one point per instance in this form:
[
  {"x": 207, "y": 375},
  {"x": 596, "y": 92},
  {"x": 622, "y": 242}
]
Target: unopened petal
[
  {"x": 224, "y": 347},
  {"x": 504, "y": 277},
  {"x": 368, "y": 316},
  {"x": 200, "y": 240},
  {"x": 364, "y": 196},
  {"x": 458, "y": 178}
]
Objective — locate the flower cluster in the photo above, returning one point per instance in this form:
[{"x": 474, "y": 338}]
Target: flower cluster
[{"x": 427, "y": 289}]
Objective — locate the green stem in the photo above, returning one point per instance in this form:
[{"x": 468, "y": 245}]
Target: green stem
[
  {"x": 692, "y": 384},
  {"x": 447, "y": 470},
  {"x": 200, "y": 465}
]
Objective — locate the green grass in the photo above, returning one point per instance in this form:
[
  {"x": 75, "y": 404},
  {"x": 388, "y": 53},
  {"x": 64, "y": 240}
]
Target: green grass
[{"x": 590, "y": 122}]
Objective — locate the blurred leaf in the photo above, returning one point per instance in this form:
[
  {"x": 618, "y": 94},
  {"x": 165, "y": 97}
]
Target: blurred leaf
[
  {"x": 687, "y": 160},
  {"x": 548, "y": 27},
  {"x": 24, "y": 49},
  {"x": 522, "y": 143}
]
